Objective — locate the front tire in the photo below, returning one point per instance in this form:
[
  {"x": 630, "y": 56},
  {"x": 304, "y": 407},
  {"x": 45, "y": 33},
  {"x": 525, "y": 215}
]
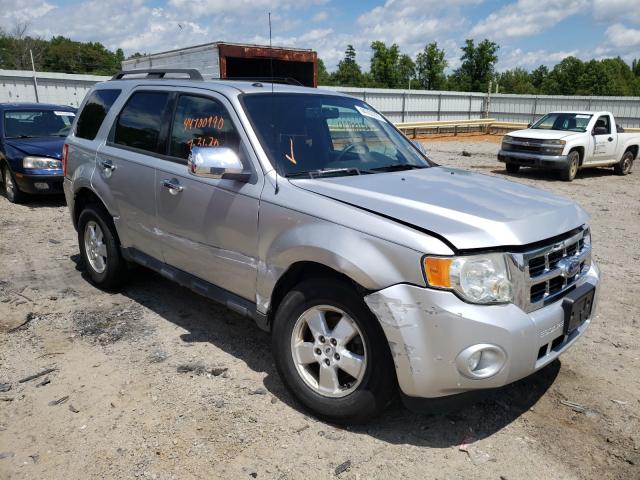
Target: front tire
[
  {"x": 571, "y": 169},
  {"x": 512, "y": 167},
  {"x": 625, "y": 165},
  {"x": 100, "y": 248},
  {"x": 14, "y": 195},
  {"x": 331, "y": 352}
]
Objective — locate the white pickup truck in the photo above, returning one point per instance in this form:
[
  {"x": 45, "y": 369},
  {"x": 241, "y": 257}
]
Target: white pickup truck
[{"x": 569, "y": 141}]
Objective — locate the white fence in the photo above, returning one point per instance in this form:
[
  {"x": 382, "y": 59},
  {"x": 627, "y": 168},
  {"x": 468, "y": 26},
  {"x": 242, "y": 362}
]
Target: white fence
[{"x": 398, "y": 105}]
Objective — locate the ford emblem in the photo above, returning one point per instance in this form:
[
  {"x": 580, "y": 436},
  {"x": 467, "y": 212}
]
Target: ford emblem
[{"x": 570, "y": 266}]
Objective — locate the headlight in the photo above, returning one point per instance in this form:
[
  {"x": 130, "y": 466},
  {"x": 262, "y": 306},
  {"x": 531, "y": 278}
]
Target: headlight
[
  {"x": 555, "y": 142},
  {"x": 41, "y": 163},
  {"x": 507, "y": 139},
  {"x": 477, "y": 278}
]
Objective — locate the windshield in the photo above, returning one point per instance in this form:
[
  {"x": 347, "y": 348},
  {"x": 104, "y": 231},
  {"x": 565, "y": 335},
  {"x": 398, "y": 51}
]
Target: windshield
[
  {"x": 37, "y": 123},
  {"x": 324, "y": 134},
  {"x": 568, "y": 122}
]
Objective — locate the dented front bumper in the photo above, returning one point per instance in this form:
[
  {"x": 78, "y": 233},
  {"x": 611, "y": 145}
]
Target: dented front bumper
[{"x": 427, "y": 330}]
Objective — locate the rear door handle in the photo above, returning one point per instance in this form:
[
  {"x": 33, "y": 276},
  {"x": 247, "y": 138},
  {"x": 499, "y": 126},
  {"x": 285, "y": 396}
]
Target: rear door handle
[
  {"x": 173, "y": 185},
  {"x": 610, "y": 139}
]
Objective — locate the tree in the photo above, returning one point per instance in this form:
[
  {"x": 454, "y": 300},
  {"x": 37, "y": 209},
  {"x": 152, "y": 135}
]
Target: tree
[
  {"x": 348, "y": 72},
  {"x": 517, "y": 80},
  {"x": 406, "y": 71},
  {"x": 430, "y": 65},
  {"x": 563, "y": 78},
  {"x": 538, "y": 76},
  {"x": 385, "y": 65},
  {"x": 478, "y": 65},
  {"x": 323, "y": 76}
]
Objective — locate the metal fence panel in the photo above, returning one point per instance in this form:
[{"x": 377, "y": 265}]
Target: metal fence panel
[{"x": 397, "y": 105}]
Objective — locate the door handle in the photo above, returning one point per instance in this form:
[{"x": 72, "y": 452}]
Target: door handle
[
  {"x": 107, "y": 165},
  {"x": 610, "y": 139},
  {"x": 173, "y": 185}
]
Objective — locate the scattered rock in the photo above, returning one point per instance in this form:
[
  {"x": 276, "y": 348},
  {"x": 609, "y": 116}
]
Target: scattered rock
[
  {"x": 619, "y": 402},
  {"x": 5, "y": 387},
  {"x": 34, "y": 457},
  {"x": 466, "y": 154},
  {"x": 30, "y": 316},
  {"x": 108, "y": 326},
  {"x": 343, "y": 467},
  {"x": 158, "y": 356},
  {"x": 258, "y": 391},
  {"x": 54, "y": 242},
  {"x": 302, "y": 428},
  {"x": 217, "y": 371},
  {"x": 576, "y": 407},
  {"x": 45, "y": 381},
  {"x": 196, "y": 368},
  {"x": 73, "y": 409},
  {"x": 60, "y": 401},
  {"x": 6, "y": 455}
]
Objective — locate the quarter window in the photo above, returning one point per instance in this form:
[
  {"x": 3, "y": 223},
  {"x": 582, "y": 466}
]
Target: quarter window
[
  {"x": 201, "y": 122},
  {"x": 140, "y": 121},
  {"x": 94, "y": 112}
]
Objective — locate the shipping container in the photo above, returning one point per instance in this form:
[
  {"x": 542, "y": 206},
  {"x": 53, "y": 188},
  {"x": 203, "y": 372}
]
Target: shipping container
[{"x": 236, "y": 61}]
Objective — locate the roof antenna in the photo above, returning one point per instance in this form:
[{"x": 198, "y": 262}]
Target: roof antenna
[{"x": 273, "y": 127}]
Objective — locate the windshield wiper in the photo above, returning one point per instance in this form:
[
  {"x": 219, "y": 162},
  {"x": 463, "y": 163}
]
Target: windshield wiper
[
  {"x": 397, "y": 167},
  {"x": 328, "y": 172}
]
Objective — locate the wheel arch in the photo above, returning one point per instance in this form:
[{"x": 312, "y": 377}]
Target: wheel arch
[
  {"x": 580, "y": 150},
  {"x": 633, "y": 149},
  {"x": 85, "y": 196}
]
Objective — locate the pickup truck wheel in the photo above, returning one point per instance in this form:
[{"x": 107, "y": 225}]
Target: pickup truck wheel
[
  {"x": 513, "y": 167},
  {"x": 571, "y": 169},
  {"x": 625, "y": 165},
  {"x": 99, "y": 248},
  {"x": 331, "y": 352},
  {"x": 14, "y": 195}
]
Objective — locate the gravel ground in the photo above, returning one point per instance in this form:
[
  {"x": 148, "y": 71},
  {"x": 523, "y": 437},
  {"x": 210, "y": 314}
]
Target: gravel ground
[{"x": 157, "y": 382}]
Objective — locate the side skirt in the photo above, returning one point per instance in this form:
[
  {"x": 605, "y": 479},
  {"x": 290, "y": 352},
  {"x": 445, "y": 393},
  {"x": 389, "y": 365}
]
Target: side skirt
[{"x": 232, "y": 301}]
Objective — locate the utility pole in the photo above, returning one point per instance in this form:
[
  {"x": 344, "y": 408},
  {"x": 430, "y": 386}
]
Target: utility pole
[{"x": 35, "y": 80}]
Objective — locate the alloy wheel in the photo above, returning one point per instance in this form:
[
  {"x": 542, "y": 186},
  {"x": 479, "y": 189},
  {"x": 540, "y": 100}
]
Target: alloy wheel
[{"x": 95, "y": 248}]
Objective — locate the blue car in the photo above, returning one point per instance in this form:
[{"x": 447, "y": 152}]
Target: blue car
[{"x": 31, "y": 140}]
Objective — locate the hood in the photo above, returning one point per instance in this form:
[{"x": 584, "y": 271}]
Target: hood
[
  {"x": 541, "y": 134},
  {"x": 42, "y": 147},
  {"x": 469, "y": 210}
]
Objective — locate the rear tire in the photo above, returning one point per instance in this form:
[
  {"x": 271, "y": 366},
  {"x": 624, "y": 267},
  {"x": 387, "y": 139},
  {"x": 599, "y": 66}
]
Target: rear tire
[
  {"x": 513, "y": 167},
  {"x": 13, "y": 193},
  {"x": 625, "y": 165},
  {"x": 364, "y": 381},
  {"x": 571, "y": 169},
  {"x": 100, "y": 248}
]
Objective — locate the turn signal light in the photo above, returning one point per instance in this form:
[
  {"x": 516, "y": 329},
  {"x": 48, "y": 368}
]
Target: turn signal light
[{"x": 437, "y": 271}]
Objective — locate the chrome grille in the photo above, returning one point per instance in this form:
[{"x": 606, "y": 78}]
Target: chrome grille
[{"x": 545, "y": 274}]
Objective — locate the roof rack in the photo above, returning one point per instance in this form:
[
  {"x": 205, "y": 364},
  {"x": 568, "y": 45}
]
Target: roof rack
[
  {"x": 284, "y": 80},
  {"x": 160, "y": 73}
]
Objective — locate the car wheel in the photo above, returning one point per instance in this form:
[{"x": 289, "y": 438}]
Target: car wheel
[
  {"x": 513, "y": 167},
  {"x": 332, "y": 353},
  {"x": 100, "y": 248},
  {"x": 14, "y": 195},
  {"x": 625, "y": 165},
  {"x": 571, "y": 169}
]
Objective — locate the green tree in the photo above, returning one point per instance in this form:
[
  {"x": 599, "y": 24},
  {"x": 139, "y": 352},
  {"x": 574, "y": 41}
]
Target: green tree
[
  {"x": 323, "y": 76},
  {"x": 538, "y": 76},
  {"x": 348, "y": 72},
  {"x": 517, "y": 80},
  {"x": 563, "y": 78},
  {"x": 478, "y": 66},
  {"x": 430, "y": 66},
  {"x": 384, "y": 68},
  {"x": 406, "y": 71}
]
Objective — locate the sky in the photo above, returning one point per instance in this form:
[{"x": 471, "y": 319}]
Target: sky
[{"x": 529, "y": 32}]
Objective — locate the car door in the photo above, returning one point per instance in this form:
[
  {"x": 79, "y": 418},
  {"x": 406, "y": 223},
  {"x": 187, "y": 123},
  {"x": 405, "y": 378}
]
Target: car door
[
  {"x": 208, "y": 227},
  {"x": 604, "y": 144},
  {"x": 126, "y": 165}
]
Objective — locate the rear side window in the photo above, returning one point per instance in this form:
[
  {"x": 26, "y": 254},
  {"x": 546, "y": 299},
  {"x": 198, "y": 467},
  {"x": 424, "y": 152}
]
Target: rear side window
[
  {"x": 140, "y": 121},
  {"x": 94, "y": 112},
  {"x": 201, "y": 122}
]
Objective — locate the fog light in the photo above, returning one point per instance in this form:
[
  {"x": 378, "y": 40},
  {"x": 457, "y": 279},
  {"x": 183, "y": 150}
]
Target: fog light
[{"x": 481, "y": 361}]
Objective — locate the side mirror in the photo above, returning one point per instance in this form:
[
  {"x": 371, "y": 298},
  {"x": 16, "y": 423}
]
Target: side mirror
[
  {"x": 529, "y": 124},
  {"x": 600, "y": 131},
  {"x": 216, "y": 162}
]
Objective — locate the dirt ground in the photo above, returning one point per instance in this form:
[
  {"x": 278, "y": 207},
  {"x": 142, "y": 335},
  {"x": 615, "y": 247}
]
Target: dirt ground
[{"x": 157, "y": 382}]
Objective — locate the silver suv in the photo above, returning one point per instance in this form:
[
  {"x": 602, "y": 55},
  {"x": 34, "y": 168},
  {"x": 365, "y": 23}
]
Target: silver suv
[{"x": 374, "y": 269}]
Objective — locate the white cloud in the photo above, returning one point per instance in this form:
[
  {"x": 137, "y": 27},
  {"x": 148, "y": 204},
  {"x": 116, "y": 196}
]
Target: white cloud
[
  {"x": 320, "y": 16},
  {"x": 532, "y": 59},
  {"x": 611, "y": 10},
  {"x": 623, "y": 37},
  {"x": 527, "y": 17},
  {"x": 22, "y": 11}
]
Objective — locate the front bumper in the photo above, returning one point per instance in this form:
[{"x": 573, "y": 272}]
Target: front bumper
[
  {"x": 532, "y": 159},
  {"x": 427, "y": 329},
  {"x": 39, "y": 184}
]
